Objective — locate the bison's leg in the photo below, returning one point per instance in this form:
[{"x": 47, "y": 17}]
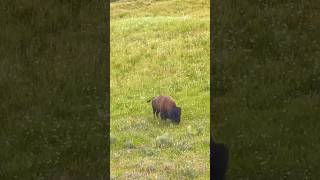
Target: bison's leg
[
  {"x": 157, "y": 114},
  {"x": 163, "y": 115},
  {"x": 154, "y": 111}
]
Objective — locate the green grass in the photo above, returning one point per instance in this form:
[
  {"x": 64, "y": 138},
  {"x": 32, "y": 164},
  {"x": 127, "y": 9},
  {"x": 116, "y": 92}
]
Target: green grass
[
  {"x": 51, "y": 90},
  {"x": 159, "y": 47},
  {"x": 267, "y": 88}
]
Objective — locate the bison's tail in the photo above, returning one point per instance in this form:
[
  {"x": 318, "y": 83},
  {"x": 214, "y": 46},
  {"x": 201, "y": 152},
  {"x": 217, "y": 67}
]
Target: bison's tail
[{"x": 150, "y": 99}]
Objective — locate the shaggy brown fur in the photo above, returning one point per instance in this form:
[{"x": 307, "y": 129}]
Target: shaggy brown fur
[{"x": 167, "y": 108}]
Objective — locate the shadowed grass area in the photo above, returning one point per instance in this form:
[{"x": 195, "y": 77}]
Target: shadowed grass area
[
  {"x": 159, "y": 47},
  {"x": 51, "y": 90},
  {"x": 267, "y": 88}
]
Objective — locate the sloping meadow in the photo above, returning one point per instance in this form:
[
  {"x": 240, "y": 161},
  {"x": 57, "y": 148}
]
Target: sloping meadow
[{"x": 155, "y": 54}]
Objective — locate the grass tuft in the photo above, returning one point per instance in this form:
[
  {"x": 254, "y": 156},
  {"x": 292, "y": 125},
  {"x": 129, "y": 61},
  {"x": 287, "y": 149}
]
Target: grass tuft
[{"x": 163, "y": 141}]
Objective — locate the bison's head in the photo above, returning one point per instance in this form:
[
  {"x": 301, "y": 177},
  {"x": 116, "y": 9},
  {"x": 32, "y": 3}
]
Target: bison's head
[{"x": 175, "y": 114}]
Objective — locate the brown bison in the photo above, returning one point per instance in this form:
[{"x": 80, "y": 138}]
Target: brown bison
[{"x": 166, "y": 107}]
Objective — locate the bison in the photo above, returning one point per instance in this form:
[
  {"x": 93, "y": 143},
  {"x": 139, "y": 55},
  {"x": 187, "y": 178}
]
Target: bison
[{"x": 167, "y": 108}]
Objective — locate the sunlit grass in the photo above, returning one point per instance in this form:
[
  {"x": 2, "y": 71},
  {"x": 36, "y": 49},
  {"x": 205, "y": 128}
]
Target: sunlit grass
[{"x": 155, "y": 53}]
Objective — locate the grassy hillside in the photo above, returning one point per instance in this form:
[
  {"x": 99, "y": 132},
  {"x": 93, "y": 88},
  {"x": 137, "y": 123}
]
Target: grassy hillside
[
  {"x": 267, "y": 88},
  {"x": 51, "y": 90},
  {"x": 159, "y": 47}
]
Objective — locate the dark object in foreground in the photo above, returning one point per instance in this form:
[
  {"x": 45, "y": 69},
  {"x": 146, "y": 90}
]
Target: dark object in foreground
[
  {"x": 219, "y": 157},
  {"x": 166, "y": 107}
]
